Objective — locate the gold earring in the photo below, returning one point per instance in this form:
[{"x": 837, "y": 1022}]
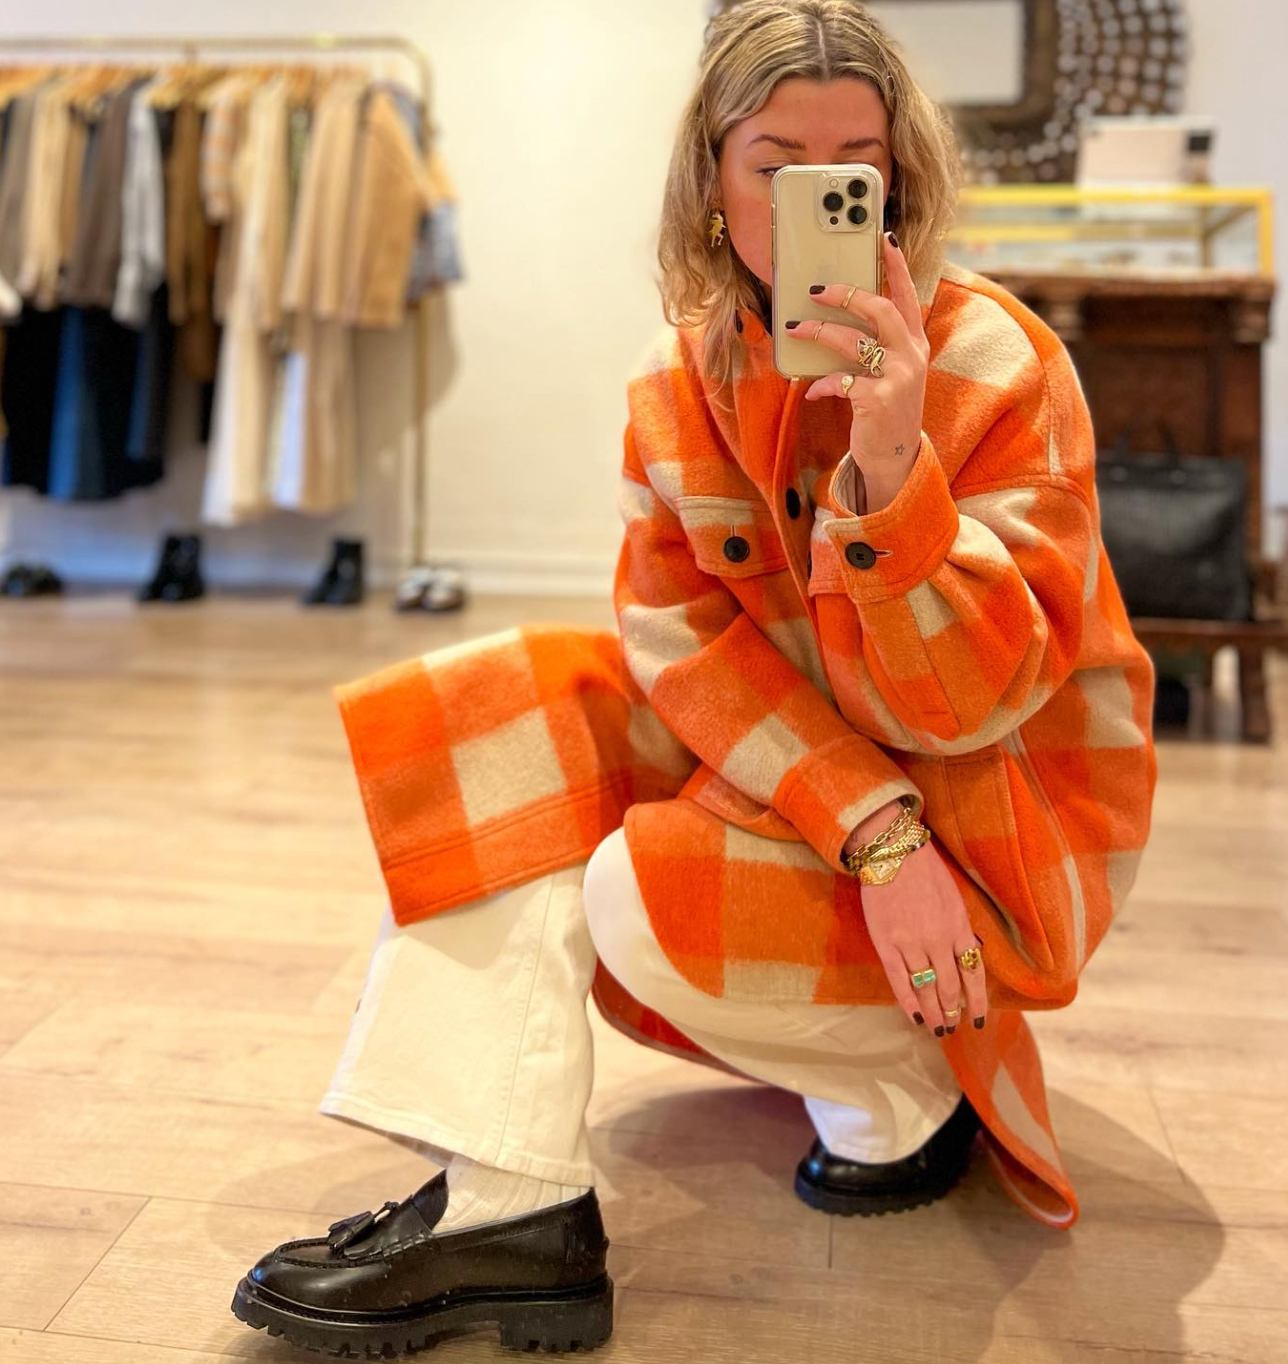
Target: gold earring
[{"x": 715, "y": 227}]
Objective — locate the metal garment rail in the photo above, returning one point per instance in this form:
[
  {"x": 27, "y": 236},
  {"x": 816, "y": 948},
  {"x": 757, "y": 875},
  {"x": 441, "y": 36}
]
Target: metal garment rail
[{"x": 191, "y": 47}]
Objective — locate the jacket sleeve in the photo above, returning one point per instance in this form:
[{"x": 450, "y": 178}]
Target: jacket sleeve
[
  {"x": 727, "y": 692},
  {"x": 969, "y": 612}
]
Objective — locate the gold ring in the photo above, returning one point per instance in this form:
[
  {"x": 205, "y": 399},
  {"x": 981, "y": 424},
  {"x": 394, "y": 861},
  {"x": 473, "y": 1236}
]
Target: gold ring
[
  {"x": 926, "y": 977},
  {"x": 971, "y": 958},
  {"x": 847, "y": 383},
  {"x": 951, "y": 1013},
  {"x": 849, "y": 296},
  {"x": 870, "y": 354}
]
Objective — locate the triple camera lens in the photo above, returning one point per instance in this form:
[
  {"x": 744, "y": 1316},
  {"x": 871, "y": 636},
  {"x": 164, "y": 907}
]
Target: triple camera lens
[{"x": 834, "y": 203}]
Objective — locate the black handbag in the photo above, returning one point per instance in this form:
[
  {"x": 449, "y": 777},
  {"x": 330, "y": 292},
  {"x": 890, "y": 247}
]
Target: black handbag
[{"x": 1174, "y": 528}]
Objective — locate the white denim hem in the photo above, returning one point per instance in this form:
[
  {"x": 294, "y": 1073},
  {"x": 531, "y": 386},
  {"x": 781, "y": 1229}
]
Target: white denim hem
[
  {"x": 883, "y": 1149},
  {"x": 350, "y": 1109}
]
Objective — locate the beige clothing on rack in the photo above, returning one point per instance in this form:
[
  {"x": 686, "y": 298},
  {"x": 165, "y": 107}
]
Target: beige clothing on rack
[
  {"x": 322, "y": 235},
  {"x": 393, "y": 192},
  {"x": 313, "y": 461},
  {"x": 244, "y": 386},
  {"x": 223, "y": 131},
  {"x": 41, "y": 259},
  {"x": 13, "y": 192},
  {"x": 313, "y": 464}
]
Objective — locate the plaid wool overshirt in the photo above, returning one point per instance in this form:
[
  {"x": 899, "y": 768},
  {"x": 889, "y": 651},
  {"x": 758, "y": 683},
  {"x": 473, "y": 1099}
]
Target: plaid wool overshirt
[{"x": 784, "y": 666}]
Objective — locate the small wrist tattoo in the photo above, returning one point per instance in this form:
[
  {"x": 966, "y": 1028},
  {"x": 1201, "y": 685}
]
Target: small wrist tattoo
[{"x": 898, "y": 449}]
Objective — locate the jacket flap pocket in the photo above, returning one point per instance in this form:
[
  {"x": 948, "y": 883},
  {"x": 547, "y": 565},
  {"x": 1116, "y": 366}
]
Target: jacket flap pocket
[{"x": 733, "y": 537}]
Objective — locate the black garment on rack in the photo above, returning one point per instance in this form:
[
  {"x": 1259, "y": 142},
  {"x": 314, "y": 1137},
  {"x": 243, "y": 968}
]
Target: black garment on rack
[
  {"x": 87, "y": 401},
  {"x": 86, "y": 398},
  {"x": 150, "y": 412},
  {"x": 98, "y": 367},
  {"x": 27, "y": 396}
]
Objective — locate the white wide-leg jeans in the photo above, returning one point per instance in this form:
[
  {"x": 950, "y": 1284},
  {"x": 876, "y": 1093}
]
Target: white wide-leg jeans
[{"x": 472, "y": 1034}]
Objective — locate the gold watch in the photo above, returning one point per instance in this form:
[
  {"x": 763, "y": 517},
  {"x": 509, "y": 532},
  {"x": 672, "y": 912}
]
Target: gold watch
[{"x": 877, "y": 861}]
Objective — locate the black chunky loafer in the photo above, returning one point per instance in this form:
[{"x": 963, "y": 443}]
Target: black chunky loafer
[
  {"x": 385, "y": 1283},
  {"x": 846, "y": 1187}
]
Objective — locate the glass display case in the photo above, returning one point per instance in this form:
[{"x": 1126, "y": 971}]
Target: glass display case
[{"x": 1183, "y": 232}]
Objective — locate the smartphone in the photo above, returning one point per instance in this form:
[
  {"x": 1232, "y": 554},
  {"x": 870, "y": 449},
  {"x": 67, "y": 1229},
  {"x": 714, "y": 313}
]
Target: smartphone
[{"x": 826, "y": 230}]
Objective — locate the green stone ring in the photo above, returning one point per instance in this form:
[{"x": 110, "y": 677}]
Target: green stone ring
[{"x": 926, "y": 977}]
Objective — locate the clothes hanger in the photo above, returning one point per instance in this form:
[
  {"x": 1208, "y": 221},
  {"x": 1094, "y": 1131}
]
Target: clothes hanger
[
  {"x": 301, "y": 82},
  {"x": 97, "y": 85},
  {"x": 79, "y": 86},
  {"x": 175, "y": 81},
  {"x": 232, "y": 81},
  {"x": 17, "y": 80}
]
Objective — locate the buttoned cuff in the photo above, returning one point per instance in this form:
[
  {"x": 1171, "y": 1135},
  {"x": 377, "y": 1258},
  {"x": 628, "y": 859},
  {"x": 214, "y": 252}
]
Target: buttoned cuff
[
  {"x": 835, "y": 787},
  {"x": 885, "y": 553}
]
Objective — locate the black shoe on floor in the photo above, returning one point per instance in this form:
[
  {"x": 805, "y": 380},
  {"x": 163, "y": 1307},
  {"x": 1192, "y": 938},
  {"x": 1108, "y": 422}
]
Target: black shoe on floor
[
  {"x": 836, "y": 1185},
  {"x": 178, "y": 573},
  {"x": 382, "y": 1285},
  {"x": 31, "y": 580},
  {"x": 341, "y": 581}
]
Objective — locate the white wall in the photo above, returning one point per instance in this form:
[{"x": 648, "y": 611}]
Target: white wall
[
  {"x": 1236, "y": 75},
  {"x": 557, "y": 118}
]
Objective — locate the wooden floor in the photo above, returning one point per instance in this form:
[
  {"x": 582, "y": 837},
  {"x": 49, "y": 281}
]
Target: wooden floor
[{"x": 187, "y": 898}]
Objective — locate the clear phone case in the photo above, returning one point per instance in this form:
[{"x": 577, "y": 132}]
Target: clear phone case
[{"x": 826, "y": 230}]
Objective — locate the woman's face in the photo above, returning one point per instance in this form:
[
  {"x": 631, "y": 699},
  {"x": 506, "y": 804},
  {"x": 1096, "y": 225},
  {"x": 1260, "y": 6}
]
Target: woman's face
[{"x": 828, "y": 122}]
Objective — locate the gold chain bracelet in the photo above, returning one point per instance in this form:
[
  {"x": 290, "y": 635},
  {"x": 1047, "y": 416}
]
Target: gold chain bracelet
[{"x": 877, "y": 861}]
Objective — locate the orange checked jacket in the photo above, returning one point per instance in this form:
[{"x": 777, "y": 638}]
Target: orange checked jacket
[{"x": 786, "y": 664}]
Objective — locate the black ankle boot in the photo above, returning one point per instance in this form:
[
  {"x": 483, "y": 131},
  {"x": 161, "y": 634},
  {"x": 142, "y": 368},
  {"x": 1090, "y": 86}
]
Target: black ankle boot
[
  {"x": 341, "y": 582},
  {"x": 178, "y": 575}
]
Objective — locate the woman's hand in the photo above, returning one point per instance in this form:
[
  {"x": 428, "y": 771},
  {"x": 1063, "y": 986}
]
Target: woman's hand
[
  {"x": 886, "y": 427},
  {"x": 918, "y": 920}
]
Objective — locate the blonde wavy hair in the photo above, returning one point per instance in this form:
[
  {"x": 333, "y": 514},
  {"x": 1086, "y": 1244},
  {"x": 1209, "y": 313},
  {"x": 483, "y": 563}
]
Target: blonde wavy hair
[{"x": 748, "y": 49}]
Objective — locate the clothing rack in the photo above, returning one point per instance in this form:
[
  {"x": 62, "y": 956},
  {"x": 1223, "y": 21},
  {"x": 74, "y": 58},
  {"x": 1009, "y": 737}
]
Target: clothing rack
[{"x": 191, "y": 48}]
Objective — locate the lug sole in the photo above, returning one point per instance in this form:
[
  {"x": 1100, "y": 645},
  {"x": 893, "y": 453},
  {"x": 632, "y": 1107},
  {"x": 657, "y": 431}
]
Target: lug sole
[
  {"x": 848, "y": 1203},
  {"x": 557, "y": 1322}
]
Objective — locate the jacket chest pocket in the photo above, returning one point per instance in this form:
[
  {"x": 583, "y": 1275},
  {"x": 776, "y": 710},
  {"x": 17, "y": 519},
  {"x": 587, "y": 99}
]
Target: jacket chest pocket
[{"x": 731, "y": 537}]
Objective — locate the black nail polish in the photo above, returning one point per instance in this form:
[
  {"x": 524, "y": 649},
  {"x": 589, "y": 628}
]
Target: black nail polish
[
  {"x": 894, "y": 241},
  {"x": 939, "y": 1031},
  {"x": 917, "y": 1018},
  {"x": 792, "y": 324},
  {"x": 952, "y": 1027},
  {"x": 979, "y": 1022},
  {"x": 817, "y": 288}
]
